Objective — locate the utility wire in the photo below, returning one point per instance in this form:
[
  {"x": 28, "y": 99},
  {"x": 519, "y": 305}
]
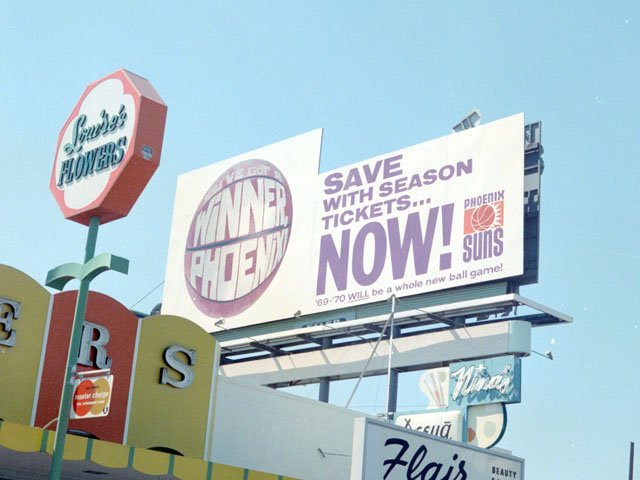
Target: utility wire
[
  {"x": 375, "y": 347},
  {"x": 153, "y": 290}
]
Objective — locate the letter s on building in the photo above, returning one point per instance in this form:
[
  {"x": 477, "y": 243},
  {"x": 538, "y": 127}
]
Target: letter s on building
[{"x": 173, "y": 356}]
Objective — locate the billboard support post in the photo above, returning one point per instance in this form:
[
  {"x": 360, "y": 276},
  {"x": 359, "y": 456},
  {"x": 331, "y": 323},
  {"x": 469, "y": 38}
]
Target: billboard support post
[
  {"x": 58, "y": 278},
  {"x": 390, "y": 387},
  {"x": 325, "y": 382},
  {"x": 323, "y": 394}
]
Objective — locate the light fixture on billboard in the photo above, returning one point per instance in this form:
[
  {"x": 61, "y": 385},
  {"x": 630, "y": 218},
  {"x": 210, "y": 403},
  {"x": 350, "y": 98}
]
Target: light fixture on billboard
[
  {"x": 548, "y": 354},
  {"x": 219, "y": 323},
  {"x": 470, "y": 121},
  {"x": 385, "y": 416},
  {"x": 297, "y": 314}
]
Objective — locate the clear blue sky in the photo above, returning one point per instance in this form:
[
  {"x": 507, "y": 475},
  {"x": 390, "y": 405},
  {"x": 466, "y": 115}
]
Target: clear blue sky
[{"x": 377, "y": 76}]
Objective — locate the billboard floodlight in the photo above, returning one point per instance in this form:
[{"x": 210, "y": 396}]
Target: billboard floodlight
[
  {"x": 548, "y": 354},
  {"x": 470, "y": 121}
]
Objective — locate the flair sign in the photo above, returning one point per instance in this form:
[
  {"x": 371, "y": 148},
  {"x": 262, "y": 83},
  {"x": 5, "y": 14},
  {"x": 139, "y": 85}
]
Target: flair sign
[
  {"x": 382, "y": 451},
  {"x": 108, "y": 148}
]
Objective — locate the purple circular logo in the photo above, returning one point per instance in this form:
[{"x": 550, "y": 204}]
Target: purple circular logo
[{"x": 238, "y": 237}]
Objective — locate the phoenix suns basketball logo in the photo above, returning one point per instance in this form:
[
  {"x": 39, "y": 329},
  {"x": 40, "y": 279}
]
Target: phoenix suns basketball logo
[
  {"x": 484, "y": 217},
  {"x": 238, "y": 237},
  {"x": 483, "y": 222}
]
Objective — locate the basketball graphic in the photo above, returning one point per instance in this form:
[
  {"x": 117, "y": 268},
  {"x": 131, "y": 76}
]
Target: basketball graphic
[
  {"x": 238, "y": 237},
  {"x": 484, "y": 217}
]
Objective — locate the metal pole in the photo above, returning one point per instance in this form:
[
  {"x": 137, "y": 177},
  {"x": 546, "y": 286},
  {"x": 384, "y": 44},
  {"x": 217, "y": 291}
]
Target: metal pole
[
  {"x": 631, "y": 461},
  {"x": 393, "y": 311},
  {"x": 373, "y": 352},
  {"x": 72, "y": 356},
  {"x": 325, "y": 382},
  {"x": 323, "y": 394},
  {"x": 392, "y": 402}
]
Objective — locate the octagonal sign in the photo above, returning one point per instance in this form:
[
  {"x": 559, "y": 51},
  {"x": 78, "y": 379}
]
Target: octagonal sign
[{"x": 109, "y": 148}]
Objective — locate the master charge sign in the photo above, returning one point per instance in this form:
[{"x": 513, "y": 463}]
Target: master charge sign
[{"x": 91, "y": 397}]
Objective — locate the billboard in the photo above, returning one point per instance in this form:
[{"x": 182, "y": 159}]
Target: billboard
[
  {"x": 262, "y": 236},
  {"x": 388, "y": 452}
]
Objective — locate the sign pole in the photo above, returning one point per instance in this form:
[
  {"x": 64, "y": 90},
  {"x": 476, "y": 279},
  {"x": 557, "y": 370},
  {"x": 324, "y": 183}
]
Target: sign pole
[
  {"x": 126, "y": 141},
  {"x": 72, "y": 357},
  {"x": 58, "y": 278},
  {"x": 389, "y": 387}
]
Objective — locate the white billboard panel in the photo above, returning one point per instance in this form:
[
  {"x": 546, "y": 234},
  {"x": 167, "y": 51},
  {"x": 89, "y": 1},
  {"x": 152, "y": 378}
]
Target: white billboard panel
[
  {"x": 262, "y": 236},
  {"x": 382, "y": 451},
  {"x": 439, "y": 424},
  {"x": 241, "y": 233}
]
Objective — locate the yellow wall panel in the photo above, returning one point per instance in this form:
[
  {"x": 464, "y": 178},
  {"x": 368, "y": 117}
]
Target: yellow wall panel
[
  {"x": 186, "y": 468},
  {"x": 109, "y": 454},
  {"x": 253, "y": 475},
  {"x": 227, "y": 472},
  {"x": 20, "y": 437},
  {"x": 20, "y": 363},
  {"x": 75, "y": 447},
  {"x": 150, "y": 462},
  {"x": 162, "y": 415}
]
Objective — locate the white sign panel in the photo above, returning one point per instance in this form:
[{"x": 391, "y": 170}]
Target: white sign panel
[
  {"x": 105, "y": 123},
  {"x": 440, "y": 424},
  {"x": 382, "y": 451},
  {"x": 486, "y": 424},
  {"x": 262, "y": 236},
  {"x": 239, "y": 246},
  {"x": 432, "y": 216}
]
